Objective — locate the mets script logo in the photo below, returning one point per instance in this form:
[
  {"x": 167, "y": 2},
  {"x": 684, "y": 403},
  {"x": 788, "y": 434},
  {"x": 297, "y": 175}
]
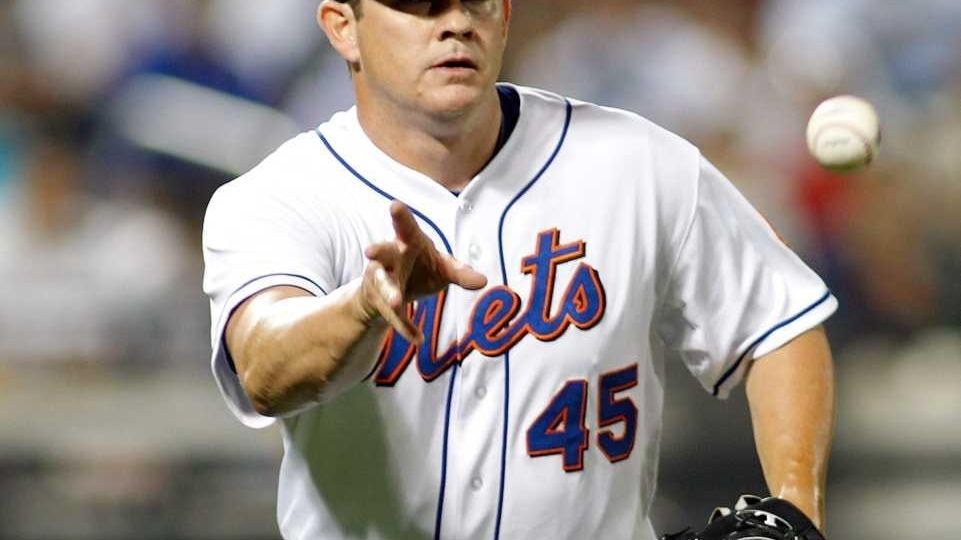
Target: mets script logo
[{"x": 496, "y": 322}]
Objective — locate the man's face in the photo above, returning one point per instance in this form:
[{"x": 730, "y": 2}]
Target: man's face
[{"x": 437, "y": 56}]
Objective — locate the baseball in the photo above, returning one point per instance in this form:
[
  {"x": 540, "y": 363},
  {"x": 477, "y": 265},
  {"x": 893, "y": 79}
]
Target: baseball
[{"x": 844, "y": 133}]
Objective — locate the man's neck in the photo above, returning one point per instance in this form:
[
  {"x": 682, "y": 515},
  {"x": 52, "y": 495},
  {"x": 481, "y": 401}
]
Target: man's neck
[{"x": 451, "y": 150}]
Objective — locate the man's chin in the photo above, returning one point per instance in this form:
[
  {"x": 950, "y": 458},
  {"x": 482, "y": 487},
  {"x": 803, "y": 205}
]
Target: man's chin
[{"x": 454, "y": 99}]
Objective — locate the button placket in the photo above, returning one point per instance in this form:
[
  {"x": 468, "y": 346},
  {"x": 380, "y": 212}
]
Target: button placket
[{"x": 475, "y": 463}]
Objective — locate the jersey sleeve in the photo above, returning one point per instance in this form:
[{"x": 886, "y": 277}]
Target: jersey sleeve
[
  {"x": 255, "y": 238},
  {"x": 735, "y": 291}
]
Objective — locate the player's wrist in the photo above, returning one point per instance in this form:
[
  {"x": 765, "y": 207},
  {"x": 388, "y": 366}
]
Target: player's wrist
[{"x": 360, "y": 305}]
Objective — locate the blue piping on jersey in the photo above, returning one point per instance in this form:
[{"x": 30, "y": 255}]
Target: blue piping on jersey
[
  {"x": 383, "y": 193},
  {"x": 265, "y": 276},
  {"x": 507, "y": 358},
  {"x": 453, "y": 374},
  {"x": 733, "y": 369},
  {"x": 443, "y": 470}
]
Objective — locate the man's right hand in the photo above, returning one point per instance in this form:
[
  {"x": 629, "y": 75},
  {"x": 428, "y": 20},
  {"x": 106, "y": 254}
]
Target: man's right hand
[{"x": 406, "y": 269}]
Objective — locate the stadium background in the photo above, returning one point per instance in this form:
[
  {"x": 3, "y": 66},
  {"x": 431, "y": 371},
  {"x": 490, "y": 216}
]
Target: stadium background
[{"x": 119, "y": 117}]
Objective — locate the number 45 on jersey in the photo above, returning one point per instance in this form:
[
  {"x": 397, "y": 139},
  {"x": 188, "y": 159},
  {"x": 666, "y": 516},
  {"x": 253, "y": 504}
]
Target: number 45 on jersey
[{"x": 561, "y": 428}]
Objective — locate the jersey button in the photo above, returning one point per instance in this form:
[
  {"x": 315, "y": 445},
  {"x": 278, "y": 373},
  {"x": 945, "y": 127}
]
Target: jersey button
[
  {"x": 474, "y": 252},
  {"x": 467, "y": 207},
  {"x": 476, "y": 483},
  {"x": 480, "y": 392}
]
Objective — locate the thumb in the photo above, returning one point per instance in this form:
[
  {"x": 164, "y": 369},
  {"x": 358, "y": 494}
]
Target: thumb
[{"x": 463, "y": 275}]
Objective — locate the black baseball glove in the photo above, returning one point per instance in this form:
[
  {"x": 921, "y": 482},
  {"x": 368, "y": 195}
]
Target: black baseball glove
[{"x": 754, "y": 518}]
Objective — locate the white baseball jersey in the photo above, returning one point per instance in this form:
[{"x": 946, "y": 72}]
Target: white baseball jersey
[{"x": 533, "y": 407}]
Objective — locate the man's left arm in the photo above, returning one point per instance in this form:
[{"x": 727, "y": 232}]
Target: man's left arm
[{"x": 790, "y": 392}]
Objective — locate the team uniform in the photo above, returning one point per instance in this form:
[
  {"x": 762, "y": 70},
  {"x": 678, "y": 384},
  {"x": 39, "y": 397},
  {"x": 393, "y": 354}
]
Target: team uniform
[{"x": 533, "y": 407}]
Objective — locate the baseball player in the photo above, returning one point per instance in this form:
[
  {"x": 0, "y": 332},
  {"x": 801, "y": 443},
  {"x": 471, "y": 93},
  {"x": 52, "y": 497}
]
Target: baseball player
[{"x": 458, "y": 298}]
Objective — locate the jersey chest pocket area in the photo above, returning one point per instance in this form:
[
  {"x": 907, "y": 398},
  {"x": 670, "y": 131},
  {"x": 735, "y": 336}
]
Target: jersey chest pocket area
[{"x": 561, "y": 428}]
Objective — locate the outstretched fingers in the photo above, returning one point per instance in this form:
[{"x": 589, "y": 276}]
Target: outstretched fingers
[
  {"x": 461, "y": 274},
  {"x": 408, "y": 268},
  {"x": 450, "y": 269},
  {"x": 405, "y": 226},
  {"x": 386, "y": 253}
]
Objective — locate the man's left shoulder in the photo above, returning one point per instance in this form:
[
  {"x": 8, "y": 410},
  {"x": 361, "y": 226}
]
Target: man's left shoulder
[{"x": 609, "y": 126}]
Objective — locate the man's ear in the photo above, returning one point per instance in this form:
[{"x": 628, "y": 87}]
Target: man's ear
[{"x": 339, "y": 22}]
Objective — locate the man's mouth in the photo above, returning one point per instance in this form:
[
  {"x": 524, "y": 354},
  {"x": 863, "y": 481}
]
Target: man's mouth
[{"x": 456, "y": 62}]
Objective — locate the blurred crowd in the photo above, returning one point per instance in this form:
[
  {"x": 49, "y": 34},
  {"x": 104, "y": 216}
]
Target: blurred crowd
[{"x": 119, "y": 118}]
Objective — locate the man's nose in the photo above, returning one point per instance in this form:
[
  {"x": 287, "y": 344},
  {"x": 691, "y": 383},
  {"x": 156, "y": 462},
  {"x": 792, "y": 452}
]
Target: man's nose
[{"x": 457, "y": 19}]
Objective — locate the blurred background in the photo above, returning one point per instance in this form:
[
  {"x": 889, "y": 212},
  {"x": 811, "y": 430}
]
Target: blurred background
[{"x": 118, "y": 119}]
